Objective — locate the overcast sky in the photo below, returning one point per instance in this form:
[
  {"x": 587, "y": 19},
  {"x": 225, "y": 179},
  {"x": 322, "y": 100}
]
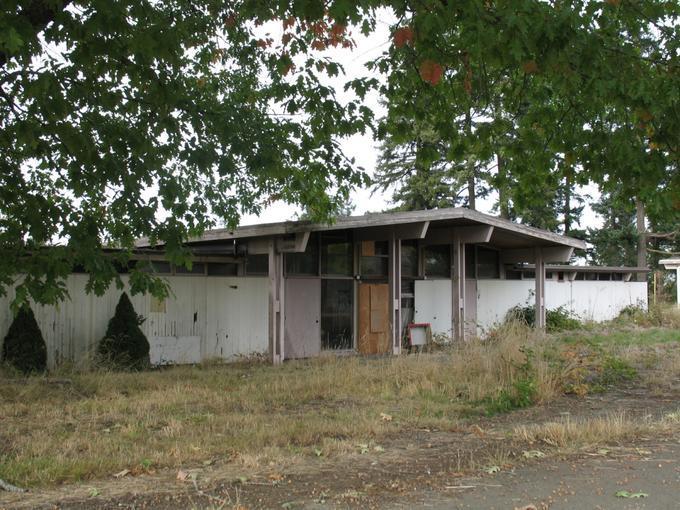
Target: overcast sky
[{"x": 363, "y": 148}]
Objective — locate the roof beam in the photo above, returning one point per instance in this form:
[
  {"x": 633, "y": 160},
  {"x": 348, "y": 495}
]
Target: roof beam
[
  {"x": 417, "y": 230},
  {"x": 550, "y": 254},
  {"x": 296, "y": 244},
  {"x": 467, "y": 234}
]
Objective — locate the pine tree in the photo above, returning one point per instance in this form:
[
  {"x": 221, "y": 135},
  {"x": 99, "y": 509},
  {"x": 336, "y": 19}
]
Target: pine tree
[
  {"x": 24, "y": 346},
  {"x": 125, "y": 345}
]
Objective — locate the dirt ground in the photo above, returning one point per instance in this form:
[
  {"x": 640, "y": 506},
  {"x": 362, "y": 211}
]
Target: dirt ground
[{"x": 420, "y": 468}]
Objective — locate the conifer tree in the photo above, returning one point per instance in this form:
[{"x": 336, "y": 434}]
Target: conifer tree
[
  {"x": 24, "y": 346},
  {"x": 125, "y": 345}
]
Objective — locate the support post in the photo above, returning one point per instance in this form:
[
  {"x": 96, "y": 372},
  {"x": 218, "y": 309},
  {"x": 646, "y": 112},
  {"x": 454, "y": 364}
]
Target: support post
[
  {"x": 276, "y": 321},
  {"x": 458, "y": 289},
  {"x": 395, "y": 292},
  {"x": 677, "y": 285},
  {"x": 540, "y": 288}
]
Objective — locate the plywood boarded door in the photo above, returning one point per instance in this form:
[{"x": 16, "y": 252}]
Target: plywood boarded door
[
  {"x": 374, "y": 318},
  {"x": 302, "y": 337}
]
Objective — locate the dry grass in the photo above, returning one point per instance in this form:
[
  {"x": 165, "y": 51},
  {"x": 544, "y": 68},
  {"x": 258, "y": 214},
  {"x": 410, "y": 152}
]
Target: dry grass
[
  {"x": 252, "y": 413},
  {"x": 573, "y": 434}
]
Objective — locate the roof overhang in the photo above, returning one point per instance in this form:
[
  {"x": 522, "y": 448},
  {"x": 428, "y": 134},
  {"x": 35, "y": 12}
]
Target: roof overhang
[
  {"x": 405, "y": 225},
  {"x": 670, "y": 263}
]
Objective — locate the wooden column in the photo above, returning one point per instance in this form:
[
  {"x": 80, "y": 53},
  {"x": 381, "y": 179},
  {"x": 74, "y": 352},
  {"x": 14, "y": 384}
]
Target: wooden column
[
  {"x": 677, "y": 285},
  {"x": 394, "y": 279},
  {"x": 458, "y": 288},
  {"x": 276, "y": 295},
  {"x": 540, "y": 288}
]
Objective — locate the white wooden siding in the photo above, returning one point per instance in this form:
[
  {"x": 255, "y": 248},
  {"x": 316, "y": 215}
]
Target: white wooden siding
[
  {"x": 587, "y": 300},
  {"x": 433, "y": 304},
  {"x": 205, "y": 317}
]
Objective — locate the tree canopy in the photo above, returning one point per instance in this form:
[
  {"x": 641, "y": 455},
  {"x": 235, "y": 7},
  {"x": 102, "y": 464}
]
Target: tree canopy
[{"x": 130, "y": 119}]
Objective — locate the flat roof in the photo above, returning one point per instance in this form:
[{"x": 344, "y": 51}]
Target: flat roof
[
  {"x": 589, "y": 269},
  {"x": 438, "y": 218}
]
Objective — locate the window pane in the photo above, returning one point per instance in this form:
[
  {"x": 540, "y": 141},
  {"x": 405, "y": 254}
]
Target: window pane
[
  {"x": 196, "y": 268},
  {"x": 222, "y": 269},
  {"x": 374, "y": 266},
  {"x": 257, "y": 264},
  {"x": 306, "y": 263},
  {"x": 470, "y": 261},
  {"x": 487, "y": 263},
  {"x": 409, "y": 260},
  {"x": 336, "y": 314},
  {"x": 438, "y": 261},
  {"x": 336, "y": 255}
]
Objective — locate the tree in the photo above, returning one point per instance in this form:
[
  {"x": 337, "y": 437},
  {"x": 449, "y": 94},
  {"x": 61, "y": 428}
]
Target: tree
[
  {"x": 129, "y": 119},
  {"x": 615, "y": 243},
  {"x": 24, "y": 347},
  {"x": 414, "y": 165},
  {"x": 124, "y": 345}
]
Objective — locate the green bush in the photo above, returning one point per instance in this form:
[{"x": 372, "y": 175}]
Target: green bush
[
  {"x": 124, "y": 346},
  {"x": 24, "y": 347},
  {"x": 558, "y": 319}
]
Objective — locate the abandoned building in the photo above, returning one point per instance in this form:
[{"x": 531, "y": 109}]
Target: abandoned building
[{"x": 296, "y": 289}]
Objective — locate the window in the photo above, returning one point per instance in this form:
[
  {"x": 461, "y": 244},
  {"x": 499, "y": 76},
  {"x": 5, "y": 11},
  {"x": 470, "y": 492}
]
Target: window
[
  {"x": 579, "y": 276},
  {"x": 605, "y": 277},
  {"x": 591, "y": 276},
  {"x": 470, "y": 256},
  {"x": 409, "y": 258},
  {"x": 159, "y": 267},
  {"x": 487, "y": 263},
  {"x": 196, "y": 268},
  {"x": 306, "y": 263},
  {"x": 512, "y": 274},
  {"x": 337, "y": 313},
  {"x": 257, "y": 264},
  {"x": 438, "y": 261},
  {"x": 617, "y": 277},
  {"x": 374, "y": 258},
  {"x": 336, "y": 254},
  {"x": 222, "y": 269}
]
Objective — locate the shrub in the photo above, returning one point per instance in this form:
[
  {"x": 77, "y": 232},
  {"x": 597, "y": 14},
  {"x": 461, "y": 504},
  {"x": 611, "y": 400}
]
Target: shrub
[
  {"x": 660, "y": 315},
  {"x": 558, "y": 319},
  {"x": 124, "y": 345},
  {"x": 24, "y": 347}
]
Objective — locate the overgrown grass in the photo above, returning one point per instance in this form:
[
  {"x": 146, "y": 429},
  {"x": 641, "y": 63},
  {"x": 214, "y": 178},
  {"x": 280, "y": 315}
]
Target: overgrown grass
[
  {"x": 575, "y": 434},
  {"x": 252, "y": 413}
]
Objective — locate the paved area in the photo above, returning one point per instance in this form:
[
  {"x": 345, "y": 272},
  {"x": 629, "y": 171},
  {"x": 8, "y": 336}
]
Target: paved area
[{"x": 590, "y": 482}]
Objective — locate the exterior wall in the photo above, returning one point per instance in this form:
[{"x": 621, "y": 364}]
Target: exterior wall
[
  {"x": 588, "y": 300},
  {"x": 433, "y": 304},
  {"x": 204, "y": 317}
]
